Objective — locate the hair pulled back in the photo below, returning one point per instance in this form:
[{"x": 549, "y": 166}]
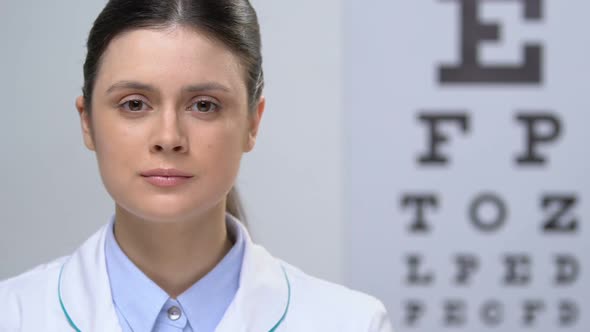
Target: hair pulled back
[{"x": 232, "y": 22}]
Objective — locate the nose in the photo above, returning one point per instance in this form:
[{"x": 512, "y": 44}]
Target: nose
[{"x": 169, "y": 136}]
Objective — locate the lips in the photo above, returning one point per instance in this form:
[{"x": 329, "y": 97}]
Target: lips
[
  {"x": 166, "y": 172},
  {"x": 169, "y": 177}
]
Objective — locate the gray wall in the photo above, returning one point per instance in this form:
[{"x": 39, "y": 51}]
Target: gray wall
[{"x": 52, "y": 197}]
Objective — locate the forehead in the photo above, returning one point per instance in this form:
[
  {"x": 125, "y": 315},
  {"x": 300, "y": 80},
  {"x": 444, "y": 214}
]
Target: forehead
[{"x": 169, "y": 59}]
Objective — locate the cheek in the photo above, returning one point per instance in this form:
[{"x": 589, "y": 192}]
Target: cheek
[
  {"x": 220, "y": 147},
  {"x": 116, "y": 148}
]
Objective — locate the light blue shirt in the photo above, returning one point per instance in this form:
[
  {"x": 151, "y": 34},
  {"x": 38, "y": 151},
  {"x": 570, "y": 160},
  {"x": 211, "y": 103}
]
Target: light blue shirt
[{"x": 142, "y": 306}]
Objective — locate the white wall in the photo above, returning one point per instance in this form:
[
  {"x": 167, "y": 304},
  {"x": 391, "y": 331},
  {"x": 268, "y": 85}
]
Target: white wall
[
  {"x": 52, "y": 197},
  {"x": 292, "y": 181}
]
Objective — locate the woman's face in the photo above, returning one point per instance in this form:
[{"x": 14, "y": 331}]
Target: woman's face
[{"x": 169, "y": 99}]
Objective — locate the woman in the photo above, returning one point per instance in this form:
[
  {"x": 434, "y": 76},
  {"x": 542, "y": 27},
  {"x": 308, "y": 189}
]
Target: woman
[{"x": 172, "y": 98}]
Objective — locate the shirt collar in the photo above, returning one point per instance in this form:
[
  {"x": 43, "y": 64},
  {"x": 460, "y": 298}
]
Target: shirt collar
[{"x": 204, "y": 303}]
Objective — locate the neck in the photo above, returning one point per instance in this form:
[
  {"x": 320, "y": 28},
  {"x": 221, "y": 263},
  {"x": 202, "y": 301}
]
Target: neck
[{"x": 174, "y": 254}]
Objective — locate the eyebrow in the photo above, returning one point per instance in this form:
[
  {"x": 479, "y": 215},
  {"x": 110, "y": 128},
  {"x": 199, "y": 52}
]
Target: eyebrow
[{"x": 201, "y": 87}]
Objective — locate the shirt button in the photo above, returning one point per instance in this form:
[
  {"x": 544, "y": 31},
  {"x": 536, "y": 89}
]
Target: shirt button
[{"x": 174, "y": 313}]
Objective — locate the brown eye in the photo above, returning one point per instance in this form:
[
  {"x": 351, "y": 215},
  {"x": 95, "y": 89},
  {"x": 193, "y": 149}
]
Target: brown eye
[
  {"x": 134, "y": 105},
  {"x": 204, "y": 106}
]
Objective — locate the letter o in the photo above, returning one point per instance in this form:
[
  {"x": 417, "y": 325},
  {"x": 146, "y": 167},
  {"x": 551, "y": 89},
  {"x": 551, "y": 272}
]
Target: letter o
[{"x": 499, "y": 206}]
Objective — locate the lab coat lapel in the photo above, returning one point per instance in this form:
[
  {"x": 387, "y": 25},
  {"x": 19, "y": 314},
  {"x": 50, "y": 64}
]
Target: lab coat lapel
[
  {"x": 263, "y": 295},
  {"x": 85, "y": 287},
  {"x": 259, "y": 304}
]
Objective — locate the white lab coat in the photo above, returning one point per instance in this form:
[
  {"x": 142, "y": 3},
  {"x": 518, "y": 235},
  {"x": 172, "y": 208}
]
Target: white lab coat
[{"x": 30, "y": 302}]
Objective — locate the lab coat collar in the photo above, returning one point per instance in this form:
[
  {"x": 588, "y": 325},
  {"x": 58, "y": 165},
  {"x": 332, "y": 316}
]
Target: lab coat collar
[
  {"x": 85, "y": 288},
  {"x": 259, "y": 304},
  {"x": 264, "y": 294}
]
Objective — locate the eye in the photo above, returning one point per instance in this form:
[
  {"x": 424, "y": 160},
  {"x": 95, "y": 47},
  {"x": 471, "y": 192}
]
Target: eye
[
  {"x": 204, "y": 106},
  {"x": 133, "y": 105}
]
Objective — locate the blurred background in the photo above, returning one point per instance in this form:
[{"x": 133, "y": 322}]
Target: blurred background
[{"x": 431, "y": 153}]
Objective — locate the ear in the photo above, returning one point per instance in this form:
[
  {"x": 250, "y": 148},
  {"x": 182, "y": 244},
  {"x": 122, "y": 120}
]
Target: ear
[
  {"x": 254, "y": 120},
  {"x": 85, "y": 123}
]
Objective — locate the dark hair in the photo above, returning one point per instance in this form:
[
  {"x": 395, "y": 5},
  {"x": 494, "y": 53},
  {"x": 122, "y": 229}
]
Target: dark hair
[{"x": 232, "y": 22}]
